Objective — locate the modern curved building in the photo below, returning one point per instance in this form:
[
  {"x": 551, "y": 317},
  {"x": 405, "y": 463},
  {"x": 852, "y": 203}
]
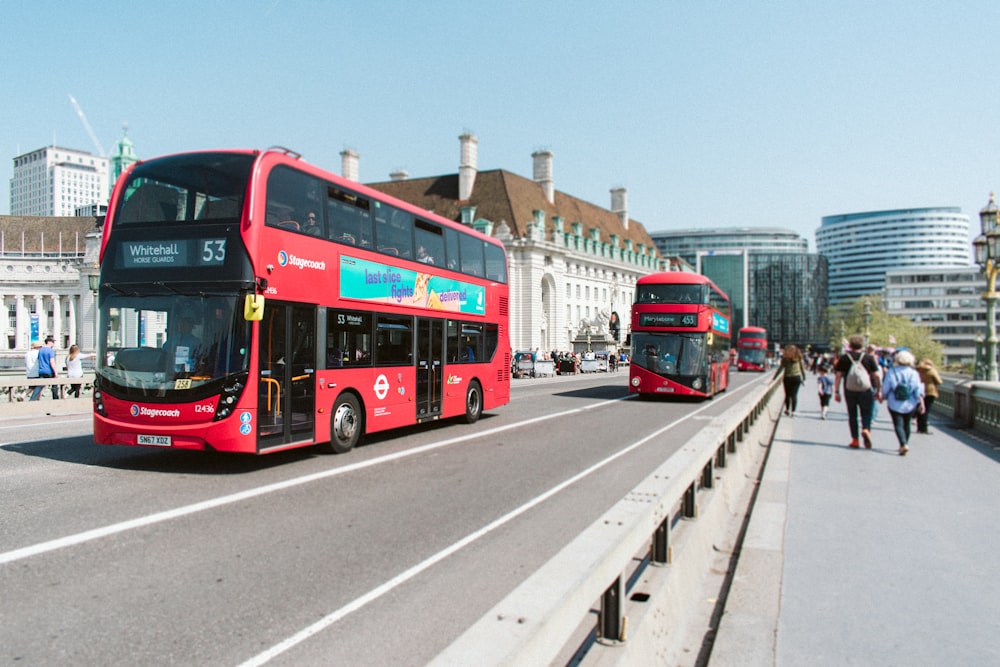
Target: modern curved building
[{"x": 861, "y": 247}]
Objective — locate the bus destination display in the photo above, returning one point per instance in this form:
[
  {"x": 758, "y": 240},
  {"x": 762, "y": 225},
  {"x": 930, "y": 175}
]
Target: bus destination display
[
  {"x": 181, "y": 253},
  {"x": 668, "y": 319}
]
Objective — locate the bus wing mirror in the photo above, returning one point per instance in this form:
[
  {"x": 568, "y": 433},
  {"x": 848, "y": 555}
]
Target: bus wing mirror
[{"x": 253, "y": 308}]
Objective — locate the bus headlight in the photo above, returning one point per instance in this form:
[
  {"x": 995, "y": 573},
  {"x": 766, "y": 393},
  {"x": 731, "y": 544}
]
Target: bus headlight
[
  {"x": 697, "y": 384},
  {"x": 636, "y": 381}
]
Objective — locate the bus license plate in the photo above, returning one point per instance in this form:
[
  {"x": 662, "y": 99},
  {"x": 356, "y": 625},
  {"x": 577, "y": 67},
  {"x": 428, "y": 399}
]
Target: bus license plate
[{"x": 155, "y": 440}]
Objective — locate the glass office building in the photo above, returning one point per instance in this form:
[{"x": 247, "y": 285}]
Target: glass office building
[{"x": 770, "y": 277}]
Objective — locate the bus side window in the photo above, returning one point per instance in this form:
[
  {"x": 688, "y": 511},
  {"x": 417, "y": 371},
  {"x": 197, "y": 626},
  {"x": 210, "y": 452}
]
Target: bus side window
[
  {"x": 496, "y": 263},
  {"x": 349, "y": 218},
  {"x": 451, "y": 255},
  {"x": 428, "y": 238},
  {"x": 393, "y": 231},
  {"x": 348, "y": 338},
  {"x": 472, "y": 255}
]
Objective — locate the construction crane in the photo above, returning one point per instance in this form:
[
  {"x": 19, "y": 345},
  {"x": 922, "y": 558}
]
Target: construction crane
[{"x": 86, "y": 125}]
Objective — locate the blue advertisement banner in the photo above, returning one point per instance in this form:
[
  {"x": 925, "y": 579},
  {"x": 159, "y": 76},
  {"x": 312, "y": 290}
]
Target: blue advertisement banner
[{"x": 380, "y": 283}]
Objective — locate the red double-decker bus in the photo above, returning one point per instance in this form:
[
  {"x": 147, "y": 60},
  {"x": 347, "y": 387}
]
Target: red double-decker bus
[
  {"x": 680, "y": 336},
  {"x": 751, "y": 348},
  {"x": 251, "y": 302}
]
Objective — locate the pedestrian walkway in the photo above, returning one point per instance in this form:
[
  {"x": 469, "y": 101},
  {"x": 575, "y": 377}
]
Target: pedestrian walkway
[{"x": 864, "y": 557}]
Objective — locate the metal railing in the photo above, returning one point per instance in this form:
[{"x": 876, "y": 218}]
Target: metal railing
[
  {"x": 637, "y": 563},
  {"x": 19, "y": 388}
]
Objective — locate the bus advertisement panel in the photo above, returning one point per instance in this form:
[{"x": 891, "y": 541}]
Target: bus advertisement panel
[
  {"x": 250, "y": 302},
  {"x": 680, "y": 336},
  {"x": 751, "y": 349}
]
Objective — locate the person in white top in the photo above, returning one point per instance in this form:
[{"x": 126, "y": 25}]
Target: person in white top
[
  {"x": 31, "y": 368},
  {"x": 74, "y": 368}
]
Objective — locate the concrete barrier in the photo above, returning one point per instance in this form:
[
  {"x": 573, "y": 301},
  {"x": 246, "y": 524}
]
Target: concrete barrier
[{"x": 644, "y": 564}]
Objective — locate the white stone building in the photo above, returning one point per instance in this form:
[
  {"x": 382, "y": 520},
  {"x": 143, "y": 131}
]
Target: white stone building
[
  {"x": 45, "y": 264},
  {"x": 572, "y": 263}
]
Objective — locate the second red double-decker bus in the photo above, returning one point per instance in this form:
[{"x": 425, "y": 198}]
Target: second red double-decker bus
[
  {"x": 680, "y": 336},
  {"x": 751, "y": 346},
  {"x": 250, "y": 302}
]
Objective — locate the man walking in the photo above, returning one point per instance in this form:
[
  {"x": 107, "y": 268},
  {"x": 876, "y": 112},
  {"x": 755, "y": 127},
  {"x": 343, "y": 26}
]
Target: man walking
[
  {"x": 862, "y": 383},
  {"x": 47, "y": 363}
]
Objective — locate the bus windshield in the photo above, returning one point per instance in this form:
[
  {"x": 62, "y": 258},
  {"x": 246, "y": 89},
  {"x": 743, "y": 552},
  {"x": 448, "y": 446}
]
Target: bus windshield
[
  {"x": 670, "y": 353},
  {"x": 157, "y": 343},
  {"x": 204, "y": 186},
  {"x": 670, "y": 293}
]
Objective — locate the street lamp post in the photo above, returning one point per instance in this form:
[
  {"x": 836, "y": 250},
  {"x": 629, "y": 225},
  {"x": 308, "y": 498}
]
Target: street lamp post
[
  {"x": 94, "y": 282},
  {"x": 987, "y": 249},
  {"x": 867, "y": 312}
]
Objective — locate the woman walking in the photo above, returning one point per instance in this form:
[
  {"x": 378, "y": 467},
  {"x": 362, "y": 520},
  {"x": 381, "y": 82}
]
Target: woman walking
[
  {"x": 74, "y": 369},
  {"x": 904, "y": 392},
  {"x": 793, "y": 372},
  {"x": 931, "y": 379}
]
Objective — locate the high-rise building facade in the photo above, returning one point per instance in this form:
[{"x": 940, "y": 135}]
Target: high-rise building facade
[
  {"x": 54, "y": 181},
  {"x": 861, "y": 247},
  {"x": 948, "y": 301}
]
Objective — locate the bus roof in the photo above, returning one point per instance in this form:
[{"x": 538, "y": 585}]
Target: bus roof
[{"x": 677, "y": 278}]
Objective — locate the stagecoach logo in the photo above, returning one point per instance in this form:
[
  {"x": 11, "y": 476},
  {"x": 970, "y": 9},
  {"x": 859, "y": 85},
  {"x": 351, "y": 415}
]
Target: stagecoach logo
[
  {"x": 285, "y": 259},
  {"x": 381, "y": 387},
  {"x": 153, "y": 412}
]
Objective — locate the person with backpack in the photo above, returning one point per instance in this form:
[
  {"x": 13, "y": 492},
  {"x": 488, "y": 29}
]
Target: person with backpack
[
  {"x": 904, "y": 393},
  {"x": 860, "y": 377}
]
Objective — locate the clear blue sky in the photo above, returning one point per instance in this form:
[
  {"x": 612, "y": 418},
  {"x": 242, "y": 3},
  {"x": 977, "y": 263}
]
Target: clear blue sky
[{"x": 710, "y": 113}]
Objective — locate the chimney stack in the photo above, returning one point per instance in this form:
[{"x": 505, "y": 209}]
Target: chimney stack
[
  {"x": 467, "y": 166},
  {"x": 619, "y": 204},
  {"x": 542, "y": 162},
  {"x": 349, "y": 159}
]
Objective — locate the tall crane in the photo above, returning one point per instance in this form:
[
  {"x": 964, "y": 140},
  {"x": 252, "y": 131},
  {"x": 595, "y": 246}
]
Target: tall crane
[{"x": 86, "y": 125}]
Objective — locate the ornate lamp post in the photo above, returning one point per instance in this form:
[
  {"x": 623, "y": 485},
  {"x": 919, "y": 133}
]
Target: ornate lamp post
[
  {"x": 867, "y": 312},
  {"x": 94, "y": 282},
  {"x": 987, "y": 249}
]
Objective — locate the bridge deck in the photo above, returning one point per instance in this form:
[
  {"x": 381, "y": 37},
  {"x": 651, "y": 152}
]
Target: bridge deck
[{"x": 863, "y": 557}]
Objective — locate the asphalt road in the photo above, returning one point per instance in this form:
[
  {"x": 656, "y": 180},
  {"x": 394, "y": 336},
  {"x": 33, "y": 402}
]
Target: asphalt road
[{"x": 382, "y": 556}]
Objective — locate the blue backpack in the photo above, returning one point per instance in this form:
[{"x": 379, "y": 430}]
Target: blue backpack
[{"x": 902, "y": 391}]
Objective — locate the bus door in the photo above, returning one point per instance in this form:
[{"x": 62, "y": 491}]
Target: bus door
[
  {"x": 286, "y": 393},
  {"x": 430, "y": 370}
]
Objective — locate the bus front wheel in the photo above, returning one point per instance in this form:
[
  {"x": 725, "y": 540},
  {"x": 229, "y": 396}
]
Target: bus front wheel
[
  {"x": 473, "y": 402},
  {"x": 346, "y": 425}
]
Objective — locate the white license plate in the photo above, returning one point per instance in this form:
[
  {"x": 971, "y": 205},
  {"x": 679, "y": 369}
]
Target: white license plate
[{"x": 155, "y": 440}]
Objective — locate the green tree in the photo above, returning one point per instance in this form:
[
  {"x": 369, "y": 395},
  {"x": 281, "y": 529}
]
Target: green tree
[{"x": 847, "y": 319}]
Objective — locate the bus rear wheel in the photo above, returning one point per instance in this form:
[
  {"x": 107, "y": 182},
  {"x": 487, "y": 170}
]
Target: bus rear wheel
[
  {"x": 473, "y": 402},
  {"x": 346, "y": 425}
]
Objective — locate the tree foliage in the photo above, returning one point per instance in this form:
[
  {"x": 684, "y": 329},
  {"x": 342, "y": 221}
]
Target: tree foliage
[{"x": 849, "y": 318}]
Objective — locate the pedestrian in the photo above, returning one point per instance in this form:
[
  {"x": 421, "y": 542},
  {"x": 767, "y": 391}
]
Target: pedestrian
[
  {"x": 932, "y": 380},
  {"x": 793, "y": 372},
  {"x": 904, "y": 393},
  {"x": 859, "y": 373},
  {"x": 74, "y": 369},
  {"x": 31, "y": 369},
  {"x": 47, "y": 363},
  {"x": 824, "y": 384},
  {"x": 884, "y": 360}
]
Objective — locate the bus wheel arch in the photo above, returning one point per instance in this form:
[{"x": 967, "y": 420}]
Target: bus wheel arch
[
  {"x": 473, "y": 402},
  {"x": 347, "y": 424}
]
